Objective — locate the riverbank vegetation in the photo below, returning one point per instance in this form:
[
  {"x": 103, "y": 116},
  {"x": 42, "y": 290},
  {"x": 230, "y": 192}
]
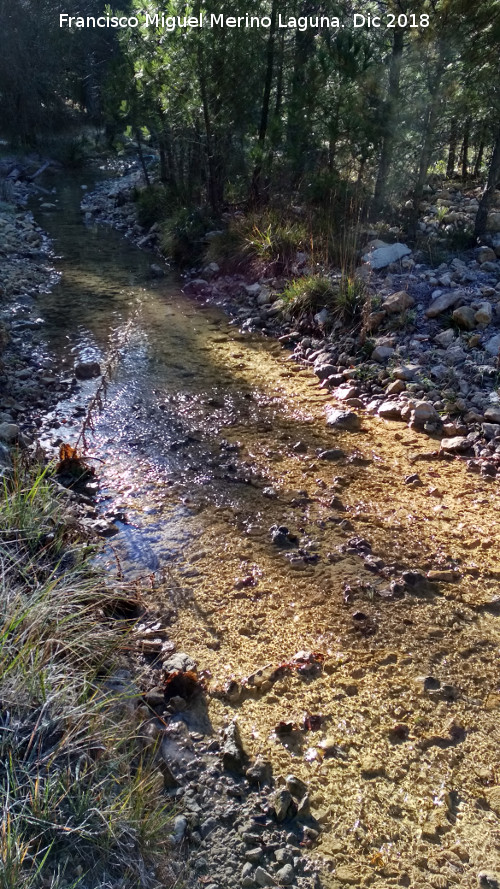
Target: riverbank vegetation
[{"x": 78, "y": 802}]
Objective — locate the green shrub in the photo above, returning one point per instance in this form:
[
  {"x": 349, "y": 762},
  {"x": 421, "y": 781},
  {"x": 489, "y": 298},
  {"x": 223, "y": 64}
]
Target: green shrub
[
  {"x": 153, "y": 204},
  {"x": 183, "y": 235},
  {"x": 304, "y": 297},
  {"x": 351, "y": 299},
  {"x": 276, "y": 241}
]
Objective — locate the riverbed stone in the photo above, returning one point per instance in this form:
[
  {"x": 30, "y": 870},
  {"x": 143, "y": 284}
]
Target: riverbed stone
[
  {"x": 346, "y": 420},
  {"x": 443, "y": 302},
  {"x": 87, "y": 370},
  {"x": 465, "y": 317},
  {"x": 385, "y": 255},
  {"x": 9, "y": 432},
  {"x": 492, "y": 346},
  {"x": 398, "y": 302}
]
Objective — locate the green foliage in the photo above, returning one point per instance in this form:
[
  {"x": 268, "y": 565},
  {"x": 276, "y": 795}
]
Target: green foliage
[
  {"x": 344, "y": 300},
  {"x": 351, "y": 299},
  {"x": 183, "y": 235},
  {"x": 78, "y": 801},
  {"x": 275, "y": 241},
  {"x": 153, "y": 204},
  {"x": 304, "y": 297}
]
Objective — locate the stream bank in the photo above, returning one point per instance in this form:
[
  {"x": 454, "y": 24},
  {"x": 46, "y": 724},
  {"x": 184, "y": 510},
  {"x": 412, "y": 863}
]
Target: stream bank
[{"x": 269, "y": 536}]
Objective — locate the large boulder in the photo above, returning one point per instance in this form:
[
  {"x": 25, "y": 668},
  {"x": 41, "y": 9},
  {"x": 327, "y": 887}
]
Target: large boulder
[{"x": 383, "y": 256}]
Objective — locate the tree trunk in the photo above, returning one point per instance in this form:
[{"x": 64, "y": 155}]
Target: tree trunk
[
  {"x": 480, "y": 152},
  {"x": 141, "y": 157},
  {"x": 428, "y": 133},
  {"x": 452, "y": 149},
  {"x": 465, "y": 150},
  {"x": 487, "y": 199},
  {"x": 389, "y": 112},
  {"x": 301, "y": 97},
  {"x": 266, "y": 98}
]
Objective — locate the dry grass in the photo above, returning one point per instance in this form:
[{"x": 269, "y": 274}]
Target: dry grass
[{"x": 78, "y": 805}]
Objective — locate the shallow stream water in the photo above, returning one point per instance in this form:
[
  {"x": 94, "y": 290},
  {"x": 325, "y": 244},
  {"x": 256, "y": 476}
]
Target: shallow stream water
[{"x": 208, "y": 438}]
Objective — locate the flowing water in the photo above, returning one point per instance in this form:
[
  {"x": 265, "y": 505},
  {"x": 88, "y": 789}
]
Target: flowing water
[{"x": 209, "y": 439}]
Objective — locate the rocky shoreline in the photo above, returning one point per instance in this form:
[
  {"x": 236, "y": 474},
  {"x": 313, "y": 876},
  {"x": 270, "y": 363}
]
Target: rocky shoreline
[
  {"x": 29, "y": 380},
  {"x": 428, "y": 353}
]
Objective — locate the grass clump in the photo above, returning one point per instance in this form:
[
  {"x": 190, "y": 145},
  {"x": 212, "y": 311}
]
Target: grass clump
[
  {"x": 78, "y": 804},
  {"x": 304, "y": 297},
  {"x": 344, "y": 299},
  {"x": 266, "y": 239}
]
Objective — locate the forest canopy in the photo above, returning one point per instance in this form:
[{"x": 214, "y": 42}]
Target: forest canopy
[{"x": 246, "y": 113}]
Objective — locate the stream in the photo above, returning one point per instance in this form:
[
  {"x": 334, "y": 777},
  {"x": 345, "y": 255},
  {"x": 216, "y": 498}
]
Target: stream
[{"x": 208, "y": 442}]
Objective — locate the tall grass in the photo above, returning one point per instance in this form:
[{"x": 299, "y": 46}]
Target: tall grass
[{"x": 78, "y": 805}]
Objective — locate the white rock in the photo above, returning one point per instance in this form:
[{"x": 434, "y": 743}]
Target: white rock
[
  {"x": 383, "y": 256},
  {"x": 424, "y": 412}
]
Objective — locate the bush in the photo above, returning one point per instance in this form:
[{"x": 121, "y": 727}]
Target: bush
[
  {"x": 183, "y": 235},
  {"x": 153, "y": 204},
  {"x": 268, "y": 238}
]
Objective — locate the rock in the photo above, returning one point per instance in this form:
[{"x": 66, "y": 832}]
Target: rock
[
  {"x": 264, "y": 878},
  {"x": 492, "y": 414},
  {"x": 179, "y": 663},
  {"x": 390, "y": 410},
  {"x": 260, "y": 773},
  {"x": 9, "y": 432},
  {"x": 383, "y": 256},
  {"x": 443, "y": 302},
  {"x": 331, "y": 454},
  {"x": 396, "y": 387},
  {"x": 465, "y": 317},
  {"x": 156, "y": 270},
  {"x": 285, "y": 875},
  {"x": 252, "y": 289},
  {"x": 346, "y": 420},
  {"x": 488, "y": 880},
  {"x": 492, "y": 347},
  {"x": 371, "y": 767},
  {"x": 254, "y": 855},
  {"x": 86, "y": 370},
  {"x": 297, "y": 788},
  {"x": 408, "y": 372},
  {"x": 490, "y": 430},
  {"x": 382, "y": 353},
  {"x": 455, "y": 445},
  {"x": 374, "y": 321},
  {"x": 493, "y": 797},
  {"x": 485, "y": 254},
  {"x": 424, "y": 412},
  {"x": 398, "y": 302},
  {"x": 445, "y": 338},
  {"x": 234, "y": 756},
  {"x": 484, "y": 314},
  {"x": 282, "y": 802},
  {"x": 342, "y": 394}
]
